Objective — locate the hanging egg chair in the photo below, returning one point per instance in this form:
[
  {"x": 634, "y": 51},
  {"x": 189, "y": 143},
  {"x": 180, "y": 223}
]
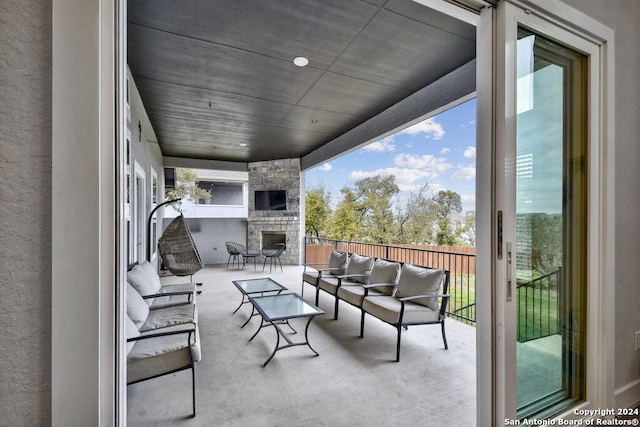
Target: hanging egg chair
[{"x": 178, "y": 250}]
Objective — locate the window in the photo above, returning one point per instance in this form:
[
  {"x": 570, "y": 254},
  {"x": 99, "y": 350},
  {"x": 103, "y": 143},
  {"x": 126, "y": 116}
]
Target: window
[
  {"x": 153, "y": 227},
  {"x": 222, "y": 193}
]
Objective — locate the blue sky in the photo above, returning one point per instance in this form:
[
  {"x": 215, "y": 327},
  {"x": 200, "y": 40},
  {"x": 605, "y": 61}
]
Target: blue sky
[{"x": 440, "y": 151}]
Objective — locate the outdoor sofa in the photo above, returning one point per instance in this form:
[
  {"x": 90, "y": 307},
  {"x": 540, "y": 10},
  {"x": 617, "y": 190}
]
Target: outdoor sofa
[
  {"x": 396, "y": 293},
  {"x": 161, "y": 326}
]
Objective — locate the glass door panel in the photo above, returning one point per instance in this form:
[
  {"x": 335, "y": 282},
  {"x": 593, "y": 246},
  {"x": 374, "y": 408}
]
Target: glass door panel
[{"x": 550, "y": 224}]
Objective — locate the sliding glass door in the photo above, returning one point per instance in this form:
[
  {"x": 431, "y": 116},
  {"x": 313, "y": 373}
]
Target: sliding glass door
[{"x": 544, "y": 208}]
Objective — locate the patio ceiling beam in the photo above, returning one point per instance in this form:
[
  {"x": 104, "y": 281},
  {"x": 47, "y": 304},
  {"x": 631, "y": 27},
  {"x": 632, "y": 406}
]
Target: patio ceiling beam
[{"x": 450, "y": 90}]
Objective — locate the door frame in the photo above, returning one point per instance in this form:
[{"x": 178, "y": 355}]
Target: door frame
[
  {"x": 87, "y": 43},
  {"x": 561, "y": 22}
]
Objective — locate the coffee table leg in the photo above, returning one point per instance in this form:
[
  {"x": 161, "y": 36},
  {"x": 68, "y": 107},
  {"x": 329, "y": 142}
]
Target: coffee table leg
[
  {"x": 277, "y": 347},
  {"x": 290, "y": 343},
  {"x": 306, "y": 337},
  {"x": 253, "y": 309},
  {"x": 241, "y": 302},
  {"x": 254, "y": 335}
]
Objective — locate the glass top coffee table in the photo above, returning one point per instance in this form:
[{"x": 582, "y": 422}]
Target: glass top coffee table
[
  {"x": 256, "y": 286},
  {"x": 276, "y": 310}
]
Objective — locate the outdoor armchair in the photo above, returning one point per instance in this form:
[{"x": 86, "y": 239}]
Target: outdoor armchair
[
  {"x": 417, "y": 301},
  {"x": 358, "y": 271},
  {"x": 336, "y": 266},
  {"x": 161, "y": 353},
  {"x": 144, "y": 278},
  {"x": 382, "y": 281}
]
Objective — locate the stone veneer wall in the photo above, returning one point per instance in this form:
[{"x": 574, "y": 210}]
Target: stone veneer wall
[{"x": 283, "y": 174}]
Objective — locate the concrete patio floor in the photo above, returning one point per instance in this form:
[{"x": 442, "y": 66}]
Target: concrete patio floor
[{"x": 353, "y": 382}]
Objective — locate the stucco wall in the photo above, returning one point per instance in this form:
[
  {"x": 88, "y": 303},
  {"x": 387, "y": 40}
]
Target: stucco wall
[
  {"x": 209, "y": 235},
  {"x": 146, "y": 152},
  {"x": 623, "y": 17},
  {"x": 25, "y": 212}
]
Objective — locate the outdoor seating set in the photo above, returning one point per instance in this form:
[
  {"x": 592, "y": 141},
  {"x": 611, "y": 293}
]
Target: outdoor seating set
[
  {"x": 396, "y": 293},
  {"x": 161, "y": 327},
  {"x": 238, "y": 253}
]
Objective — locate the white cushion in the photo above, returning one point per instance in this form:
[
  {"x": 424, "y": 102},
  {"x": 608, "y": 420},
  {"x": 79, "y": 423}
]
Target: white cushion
[
  {"x": 338, "y": 262},
  {"x": 131, "y": 331},
  {"x": 152, "y": 274},
  {"x": 142, "y": 282},
  {"x": 416, "y": 280},
  {"x": 160, "y": 355},
  {"x": 137, "y": 308},
  {"x": 360, "y": 265}
]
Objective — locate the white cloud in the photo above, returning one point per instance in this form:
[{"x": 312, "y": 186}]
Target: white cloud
[
  {"x": 433, "y": 165},
  {"x": 470, "y": 152},
  {"x": 467, "y": 172},
  {"x": 445, "y": 150},
  {"x": 436, "y": 188},
  {"x": 325, "y": 167},
  {"x": 406, "y": 178},
  {"x": 385, "y": 144},
  {"x": 429, "y": 127}
]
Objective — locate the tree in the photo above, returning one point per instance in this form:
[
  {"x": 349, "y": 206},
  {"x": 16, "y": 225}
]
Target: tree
[
  {"x": 317, "y": 211},
  {"x": 447, "y": 203},
  {"x": 416, "y": 218},
  {"x": 468, "y": 229},
  {"x": 186, "y": 187},
  {"x": 346, "y": 224},
  {"x": 374, "y": 196}
]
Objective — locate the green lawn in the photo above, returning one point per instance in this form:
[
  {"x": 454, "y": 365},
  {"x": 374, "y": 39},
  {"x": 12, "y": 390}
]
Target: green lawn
[{"x": 536, "y": 310}]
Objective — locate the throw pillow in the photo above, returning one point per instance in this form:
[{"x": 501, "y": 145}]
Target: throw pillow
[
  {"x": 360, "y": 265},
  {"x": 137, "y": 308},
  {"x": 385, "y": 272},
  {"x": 131, "y": 331},
  {"x": 338, "y": 263},
  {"x": 152, "y": 274},
  {"x": 416, "y": 280},
  {"x": 139, "y": 279}
]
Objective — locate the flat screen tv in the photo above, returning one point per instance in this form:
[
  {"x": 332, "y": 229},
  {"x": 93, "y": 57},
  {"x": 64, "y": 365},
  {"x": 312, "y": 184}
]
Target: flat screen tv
[{"x": 271, "y": 200}]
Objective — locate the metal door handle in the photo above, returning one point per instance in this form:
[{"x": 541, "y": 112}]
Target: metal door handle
[{"x": 509, "y": 272}]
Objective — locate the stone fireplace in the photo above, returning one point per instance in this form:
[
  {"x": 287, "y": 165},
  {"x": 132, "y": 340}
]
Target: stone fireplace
[
  {"x": 270, "y": 238},
  {"x": 266, "y": 227}
]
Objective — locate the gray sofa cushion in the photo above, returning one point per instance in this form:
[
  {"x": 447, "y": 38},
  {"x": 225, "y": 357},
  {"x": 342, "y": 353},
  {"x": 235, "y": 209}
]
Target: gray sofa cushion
[
  {"x": 310, "y": 276},
  {"x": 338, "y": 263},
  {"x": 169, "y": 316},
  {"x": 387, "y": 308},
  {"x": 329, "y": 284},
  {"x": 360, "y": 265},
  {"x": 416, "y": 280},
  {"x": 385, "y": 272},
  {"x": 354, "y": 294}
]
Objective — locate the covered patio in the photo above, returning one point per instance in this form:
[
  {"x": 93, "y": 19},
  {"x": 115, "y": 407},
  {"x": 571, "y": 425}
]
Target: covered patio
[{"x": 353, "y": 382}]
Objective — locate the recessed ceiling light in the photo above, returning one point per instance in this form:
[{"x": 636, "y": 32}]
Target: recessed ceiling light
[
  {"x": 301, "y": 61},
  {"x": 242, "y": 144}
]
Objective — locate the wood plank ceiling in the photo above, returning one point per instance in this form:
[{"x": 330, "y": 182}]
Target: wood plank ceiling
[{"x": 218, "y": 81}]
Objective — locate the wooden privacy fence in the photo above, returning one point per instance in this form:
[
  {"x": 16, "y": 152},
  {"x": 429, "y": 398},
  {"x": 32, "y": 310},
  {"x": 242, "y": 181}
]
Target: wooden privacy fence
[{"x": 458, "y": 260}]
